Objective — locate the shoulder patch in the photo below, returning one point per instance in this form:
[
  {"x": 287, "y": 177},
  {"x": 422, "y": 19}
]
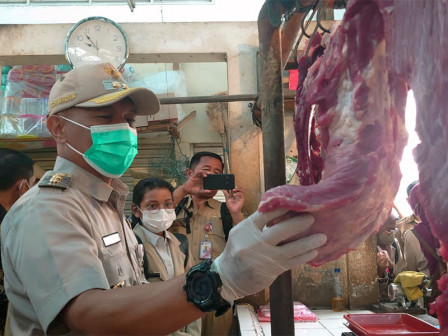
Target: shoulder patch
[{"x": 55, "y": 180}]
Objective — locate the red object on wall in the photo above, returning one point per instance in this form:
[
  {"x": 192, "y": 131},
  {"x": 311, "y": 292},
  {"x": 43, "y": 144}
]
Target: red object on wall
[{"x": 293, "y": 79}]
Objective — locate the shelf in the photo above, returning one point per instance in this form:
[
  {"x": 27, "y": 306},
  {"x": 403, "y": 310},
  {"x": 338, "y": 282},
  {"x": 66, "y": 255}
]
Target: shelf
[
  {"x": 27, "y": 143},
  {"x": 33, "y": 139}
]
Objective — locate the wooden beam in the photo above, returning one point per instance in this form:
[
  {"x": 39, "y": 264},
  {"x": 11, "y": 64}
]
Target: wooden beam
[{"x": 190, "y": 116}]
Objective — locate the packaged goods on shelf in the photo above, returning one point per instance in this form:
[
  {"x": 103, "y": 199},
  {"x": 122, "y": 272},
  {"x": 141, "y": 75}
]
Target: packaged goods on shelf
[{"x": 25, "y": 101}]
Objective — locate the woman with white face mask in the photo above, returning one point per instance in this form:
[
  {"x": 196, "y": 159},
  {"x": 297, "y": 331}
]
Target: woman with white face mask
[{"x": 160, "y": 250}]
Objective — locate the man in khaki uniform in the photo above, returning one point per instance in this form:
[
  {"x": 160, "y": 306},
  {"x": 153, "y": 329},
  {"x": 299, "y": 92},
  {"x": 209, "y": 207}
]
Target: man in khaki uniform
[
  {"x": 200, "y": 220},
  {"x": 16, "y": 178},
  {"x": 70, "y": 260},
  {"x": 90, "y": 246}
]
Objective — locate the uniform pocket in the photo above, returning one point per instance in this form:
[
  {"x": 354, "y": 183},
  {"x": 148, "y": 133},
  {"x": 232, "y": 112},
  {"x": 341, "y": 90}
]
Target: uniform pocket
[
  {"x": 114, "y": 262},
  {"x": 217, "y": 227}
]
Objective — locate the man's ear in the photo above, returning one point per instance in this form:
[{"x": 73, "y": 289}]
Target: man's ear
[
  {"x": 188, "y": 173},
  {"x": 135, "y": 211},
  {"x": 25, "y": 185},
  {"x": 16, "y": 189},
  {"x": 56, "y": 127}
]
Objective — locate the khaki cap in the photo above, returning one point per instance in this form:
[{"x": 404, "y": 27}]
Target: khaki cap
[{"x": 95, "y": 86}]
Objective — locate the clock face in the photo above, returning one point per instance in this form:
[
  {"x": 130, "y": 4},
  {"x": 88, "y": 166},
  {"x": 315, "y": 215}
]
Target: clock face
[{"x": 96, "y": 40}]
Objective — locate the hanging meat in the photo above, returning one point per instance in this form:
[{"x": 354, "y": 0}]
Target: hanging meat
[
  {"x": 360, "y": 113},
  {"x": 359, "y": 88}
]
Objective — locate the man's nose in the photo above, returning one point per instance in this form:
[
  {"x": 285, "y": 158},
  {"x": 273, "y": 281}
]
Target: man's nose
[{"x": 121, "y": 119}]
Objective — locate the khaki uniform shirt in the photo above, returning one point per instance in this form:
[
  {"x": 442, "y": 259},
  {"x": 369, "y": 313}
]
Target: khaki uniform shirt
[
  {"x": 415, "y": 259},
  {"x": 208, "y": 213},
  {"x": 155, "y": 265},
  {"x": 53, "y": 247}
]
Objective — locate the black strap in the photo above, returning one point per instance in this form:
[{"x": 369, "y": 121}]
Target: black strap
[
  {"x": 188, "y": 214},
  {"x": 395, "y": 245},
  {"x": 183, "y": 246},
  {"x": 180, "y": 206},
  {"x": 227, "y": 222}
]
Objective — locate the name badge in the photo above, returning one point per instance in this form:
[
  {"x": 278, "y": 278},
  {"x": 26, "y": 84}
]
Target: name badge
[
  {"x": 111, "y": 239},
  {"x": 205, "y": 249}
]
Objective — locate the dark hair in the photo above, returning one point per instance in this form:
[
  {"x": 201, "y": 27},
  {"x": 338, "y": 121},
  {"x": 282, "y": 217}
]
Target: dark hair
[
  {"x": 145, "y": 185},
  {"x": 410, "y": 186},
  {"x": 14, "y": 166},
  {"x": 389, "y": 220},
  {"x": 197, "y": 157}
]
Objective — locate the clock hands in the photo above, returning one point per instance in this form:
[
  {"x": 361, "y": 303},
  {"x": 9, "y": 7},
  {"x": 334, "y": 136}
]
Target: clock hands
[{"x": 93, "y": 44}]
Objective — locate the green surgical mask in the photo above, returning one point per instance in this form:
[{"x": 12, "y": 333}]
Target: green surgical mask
[{"x": 113, "y": 149}]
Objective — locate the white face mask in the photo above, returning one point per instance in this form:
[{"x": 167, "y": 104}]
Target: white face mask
[{"x": 159, "y": 221}]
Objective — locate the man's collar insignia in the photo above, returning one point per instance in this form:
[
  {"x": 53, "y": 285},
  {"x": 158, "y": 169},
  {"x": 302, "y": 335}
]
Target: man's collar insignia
[{"x": 55, "y": 179}]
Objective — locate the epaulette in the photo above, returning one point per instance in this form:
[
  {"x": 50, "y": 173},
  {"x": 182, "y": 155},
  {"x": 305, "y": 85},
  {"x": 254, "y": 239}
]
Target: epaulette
[{"x": 55, "y": 179}]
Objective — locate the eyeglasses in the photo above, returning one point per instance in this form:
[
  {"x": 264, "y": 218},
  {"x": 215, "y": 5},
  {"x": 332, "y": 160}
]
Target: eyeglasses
[{"x": 155, "y": 207}]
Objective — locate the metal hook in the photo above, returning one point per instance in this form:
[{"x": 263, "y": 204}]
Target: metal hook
[
  {"x": 318, "y": 8},
  {"x": 314, "y": 8},
  {"x": 318, "y": 25},
  {"x": 318, "y": 18},
  {"x": 309, "y": 45},
  {"x": 304, "y": 28}
]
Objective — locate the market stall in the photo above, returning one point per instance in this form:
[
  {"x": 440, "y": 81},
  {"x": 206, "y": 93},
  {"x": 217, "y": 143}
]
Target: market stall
[
  {"x": 360, "y": 39},
  {"x": 277, "y": 42}
]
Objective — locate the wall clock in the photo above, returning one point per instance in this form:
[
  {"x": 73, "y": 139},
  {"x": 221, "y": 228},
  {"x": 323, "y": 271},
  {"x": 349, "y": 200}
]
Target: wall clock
[{"x": 96, "y": 40}]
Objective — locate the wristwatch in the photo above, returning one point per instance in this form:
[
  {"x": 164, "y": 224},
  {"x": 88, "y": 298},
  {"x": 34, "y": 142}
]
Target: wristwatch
[{"x": 202, "y": 287}]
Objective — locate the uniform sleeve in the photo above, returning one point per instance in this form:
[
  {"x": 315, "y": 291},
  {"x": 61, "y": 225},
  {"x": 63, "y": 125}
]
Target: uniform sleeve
[
  {"x": 415, "y": 259},
  {"x": 409, "y": 252},
  {"x": 50, "y": 255},
  {"x": 401, "y": 263}
]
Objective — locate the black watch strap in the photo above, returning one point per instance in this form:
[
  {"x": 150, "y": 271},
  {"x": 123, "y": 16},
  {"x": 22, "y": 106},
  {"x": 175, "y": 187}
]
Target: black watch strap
[{"x": 202, "y": 287}]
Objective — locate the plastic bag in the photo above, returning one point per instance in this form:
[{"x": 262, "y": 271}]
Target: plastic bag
[{"x": 24, "y": 107}]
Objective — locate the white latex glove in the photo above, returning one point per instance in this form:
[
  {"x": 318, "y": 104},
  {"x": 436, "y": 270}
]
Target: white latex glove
[{"x": 251, "y": 260}]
